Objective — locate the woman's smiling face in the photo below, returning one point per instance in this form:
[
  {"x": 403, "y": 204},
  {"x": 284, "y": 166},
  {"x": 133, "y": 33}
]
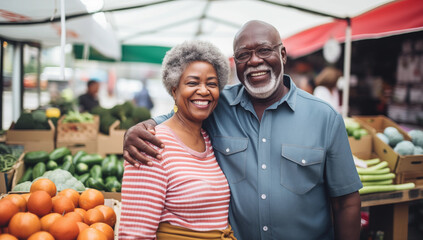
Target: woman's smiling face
[{"x": 198, "y": 91}]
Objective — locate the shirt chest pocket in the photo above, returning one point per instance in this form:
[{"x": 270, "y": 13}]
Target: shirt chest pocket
[
  {"x": 231, "y": 154},
  {"x": 301, "y": 168}
]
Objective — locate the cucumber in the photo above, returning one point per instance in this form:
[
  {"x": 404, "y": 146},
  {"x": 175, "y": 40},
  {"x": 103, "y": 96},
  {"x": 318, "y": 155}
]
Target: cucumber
[
  {"x": 68, "y": 158},
  {"x": 82, "y": 168},
  {"x": 95, "y": 172},
  {"x": 38, "y": 170},
  {"x": 110, "y": 178},
  {"x": 91, "y": 159},
  {"x": 382, "y": 182},
  {"x": 27, "y": 176},
  {"x": 371, "y": 162},
  {"x": 377, "y": 177},
  {"x": 369, "y": 171},
  {"x": 96, "y": 184},
  {"x": 68, "y": 166},
  {"x": 120, "y": 169},
  {"x": 32, "y": 158},
  {"x": 78, "y": 156},
  {"x": 51, "y": 165},
  {"x": 380, "y": 165},
  {"x": 113, "y": 186},
  {"x": 83, "y": 178},
  {"x": 110, "y": 168},
  {"x": 386, "y": 188},
  {"x": 58, "y": 154}
]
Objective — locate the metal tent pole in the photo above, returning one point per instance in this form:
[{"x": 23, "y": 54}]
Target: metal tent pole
[
  {"x": 347, "y": 69},
  {"x": 16, "y": 82}
]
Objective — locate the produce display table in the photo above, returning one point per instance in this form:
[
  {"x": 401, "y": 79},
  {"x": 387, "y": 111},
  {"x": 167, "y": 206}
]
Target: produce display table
[{"x": 389, "y": 211}]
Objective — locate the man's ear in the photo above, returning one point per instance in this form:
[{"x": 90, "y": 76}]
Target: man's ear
[{"x": 283, "y": 54}]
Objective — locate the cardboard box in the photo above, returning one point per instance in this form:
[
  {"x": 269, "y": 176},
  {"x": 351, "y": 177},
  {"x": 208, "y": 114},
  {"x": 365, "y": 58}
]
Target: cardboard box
[
  {"x": 19, "y": 172},
  {"x": 112, "y": 143},
  {"x": 397, "y": 163},
  {"x": 406, "y": 177},
  {"x": 32, "y": 140},
  {"x": 379, "y": 123},
  {"x": 6, "y": 178},
  {"x": 77, "y": 132},
  {"x": 364, "y": 145}
]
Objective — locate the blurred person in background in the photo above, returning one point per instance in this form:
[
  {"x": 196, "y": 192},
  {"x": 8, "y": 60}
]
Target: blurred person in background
[
  {"x": 89, "y": 100},
  {"x": 143, "y": 98},
  {"x": 305, "y": 83},
  {"x": 326, "y": 88}
]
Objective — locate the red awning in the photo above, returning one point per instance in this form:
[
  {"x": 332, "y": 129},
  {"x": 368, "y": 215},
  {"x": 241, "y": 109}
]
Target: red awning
[{"x": 394, "y": 18}]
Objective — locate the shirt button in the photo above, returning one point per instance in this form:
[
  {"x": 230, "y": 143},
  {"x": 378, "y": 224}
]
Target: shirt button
[
  {"x": 263, "y": 166},
  {"x": 303, "y": 161},
  {"x": 265, "y": 228},
  {"x": 263, "y": 196},
  {"x": 227, "y": 150},
  {"x": 263, "y": 139}
]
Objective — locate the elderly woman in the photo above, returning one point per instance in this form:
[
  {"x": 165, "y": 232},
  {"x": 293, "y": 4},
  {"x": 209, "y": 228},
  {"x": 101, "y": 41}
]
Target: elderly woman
[{"x": 185, "y": 195}]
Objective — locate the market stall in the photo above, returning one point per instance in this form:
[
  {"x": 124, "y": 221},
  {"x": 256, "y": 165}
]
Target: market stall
[{"x": 83, "y": 152}]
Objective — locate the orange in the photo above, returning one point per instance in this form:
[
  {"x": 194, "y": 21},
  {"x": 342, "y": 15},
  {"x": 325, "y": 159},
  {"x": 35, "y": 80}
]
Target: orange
[
  {"x": 105, "y": 228},
  {"x": 43, "y": 235},
  {"x": 75, "y": 216},
  {"x": 40, "y": 203},
  {"x": 82, "y": 226},
  {"x": 81, "y": 212},
  {"x": 64, "y": 229},
  {"x": 18, "y": 200},
  {"x": 6, "y": 236},
  {"x": 72, "y": 194},
  {"x": 62, "y": 205},
  {"x": 108, "y": 213},
  {"x": 48, "y": 220},
  {"x": 24, "y": 224},
  {"x": 7, "y": 210},
  {"x": 90, "y": 198},
  {"x": 91, "y": 234},
  {"x": 92, "y": 216},
  {"x": 26, "y": 196},
  {"x": 45, "y": 185}
]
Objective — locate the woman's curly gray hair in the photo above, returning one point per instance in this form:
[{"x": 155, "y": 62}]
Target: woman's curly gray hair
[{"x": 180, "y": 56}]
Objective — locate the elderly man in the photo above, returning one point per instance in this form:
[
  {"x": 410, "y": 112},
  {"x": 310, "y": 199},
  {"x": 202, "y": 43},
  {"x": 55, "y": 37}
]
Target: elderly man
[{"x": 284, "y": 152}]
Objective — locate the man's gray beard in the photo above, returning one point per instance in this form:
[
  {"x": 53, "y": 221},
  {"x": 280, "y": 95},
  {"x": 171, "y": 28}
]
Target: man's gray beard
[{"x": 264, "y": 91}]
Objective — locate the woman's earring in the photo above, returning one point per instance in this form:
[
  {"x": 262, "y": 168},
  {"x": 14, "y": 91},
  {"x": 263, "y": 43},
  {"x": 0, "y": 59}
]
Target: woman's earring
[{"x": 175, "y": 108}]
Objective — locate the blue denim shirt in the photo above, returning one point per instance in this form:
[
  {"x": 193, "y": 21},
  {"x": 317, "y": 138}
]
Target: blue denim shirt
[{"x": 283, "y": 170}]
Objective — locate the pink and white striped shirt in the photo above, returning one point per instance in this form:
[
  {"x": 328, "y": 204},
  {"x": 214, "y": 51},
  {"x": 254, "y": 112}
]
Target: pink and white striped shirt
[{"x": 186, "y": 188}]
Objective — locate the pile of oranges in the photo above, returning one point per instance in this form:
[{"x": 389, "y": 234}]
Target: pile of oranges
[{"x": 43, "y": 214}]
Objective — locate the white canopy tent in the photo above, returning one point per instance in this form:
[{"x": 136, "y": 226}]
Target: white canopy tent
[
  {"x": 167, "y": 22},
  {"x": 27, "y": 20}
]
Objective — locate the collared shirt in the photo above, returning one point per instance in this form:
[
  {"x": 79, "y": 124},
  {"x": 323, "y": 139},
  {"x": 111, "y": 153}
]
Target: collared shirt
[{"x": 282, "y": 170}]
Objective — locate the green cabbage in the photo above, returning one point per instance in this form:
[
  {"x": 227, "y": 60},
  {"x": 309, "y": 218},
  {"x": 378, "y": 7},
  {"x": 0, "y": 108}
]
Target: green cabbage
[
  {"x": 416, "y": 137},
  {"x": 404, "y": 148},
  {"x": 393, "y": 135}
]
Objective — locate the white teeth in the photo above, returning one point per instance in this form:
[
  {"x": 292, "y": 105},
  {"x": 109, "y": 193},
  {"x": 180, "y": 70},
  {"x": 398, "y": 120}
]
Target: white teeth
[
  {"x": 202, "y": 103},
  {"x": 257, "y": 74}
]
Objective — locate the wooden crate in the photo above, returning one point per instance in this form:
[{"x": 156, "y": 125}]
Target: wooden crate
[{"x": 76, "y": 132}]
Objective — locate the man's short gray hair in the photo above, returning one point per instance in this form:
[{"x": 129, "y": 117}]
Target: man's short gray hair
[{"x": 180, "y": 56}]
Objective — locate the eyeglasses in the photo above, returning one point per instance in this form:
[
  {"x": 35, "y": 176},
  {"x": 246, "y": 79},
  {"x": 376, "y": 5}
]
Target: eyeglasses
[{"x": 262, "y": 51}]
